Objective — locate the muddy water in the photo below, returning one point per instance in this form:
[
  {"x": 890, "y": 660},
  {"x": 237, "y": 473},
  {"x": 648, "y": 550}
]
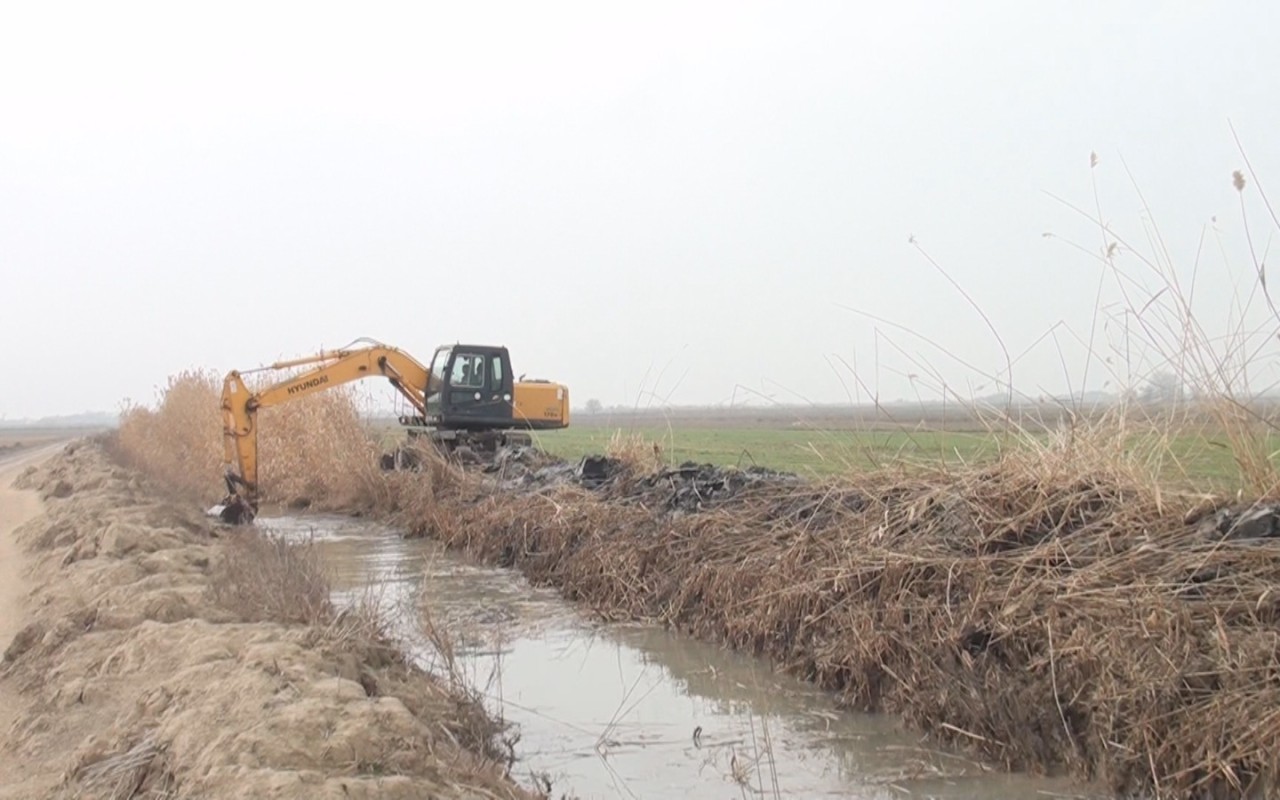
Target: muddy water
[{"x": 634, "y": 711}]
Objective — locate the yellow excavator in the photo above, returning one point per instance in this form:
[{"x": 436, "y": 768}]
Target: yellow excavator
[{"x": 468, "y": 396}]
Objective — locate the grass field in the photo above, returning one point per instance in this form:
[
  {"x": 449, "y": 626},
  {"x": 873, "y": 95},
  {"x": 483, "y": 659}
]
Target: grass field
[
  {"x": 828, "y": 443},
  {"x": 1197, "y": 458},
  {"x": 13, "y": 440},
  {"x": 806, "y": 451}
]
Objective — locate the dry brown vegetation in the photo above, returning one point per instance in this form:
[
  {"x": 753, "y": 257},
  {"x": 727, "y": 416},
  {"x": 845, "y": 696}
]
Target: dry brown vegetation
[
  {"x": 312, "y": 451},
  {"x": 263, "y": 578},
  {"x": 643, "y": 455},
  {"x": 1054, "y": 609}
]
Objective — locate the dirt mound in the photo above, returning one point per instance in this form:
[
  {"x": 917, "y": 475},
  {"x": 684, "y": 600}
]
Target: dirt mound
[
  {"x": 687, "y": 488},
  {"x": 1242, "y": 522},
  {"x": 146, "y": 672}
]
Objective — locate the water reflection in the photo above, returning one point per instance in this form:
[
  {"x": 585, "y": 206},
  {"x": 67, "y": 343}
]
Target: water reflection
[{"x": 636, "y": 710}]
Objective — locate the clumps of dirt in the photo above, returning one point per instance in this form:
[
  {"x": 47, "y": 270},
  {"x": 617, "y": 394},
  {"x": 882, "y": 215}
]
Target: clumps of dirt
[
  {"x": 1241, "y": 522},
  {"x": 167, "y": 657},
  {"x": 1049, "y": 610},
  {"x": 684, "y": 489},
  {"x": 26, "y": 479}
]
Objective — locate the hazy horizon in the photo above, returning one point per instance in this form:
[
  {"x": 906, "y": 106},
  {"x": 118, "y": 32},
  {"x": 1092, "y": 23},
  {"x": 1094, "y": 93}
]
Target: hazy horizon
[{"x": 688, "y": 204}]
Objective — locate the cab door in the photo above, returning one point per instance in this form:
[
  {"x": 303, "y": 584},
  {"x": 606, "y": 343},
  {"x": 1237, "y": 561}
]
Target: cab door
[{"x": 479, "y": 390}]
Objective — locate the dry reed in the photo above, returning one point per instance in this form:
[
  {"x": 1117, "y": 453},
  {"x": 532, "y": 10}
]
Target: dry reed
[
  {"x": 312, "y": 451},
  {"x": 635, "y": 450},
  {"x": 265, "y": 578},
  {"x": 1051, "y": 609},
  {"x": 179, "y": 442},
  {"x": 140, "y": 771}
]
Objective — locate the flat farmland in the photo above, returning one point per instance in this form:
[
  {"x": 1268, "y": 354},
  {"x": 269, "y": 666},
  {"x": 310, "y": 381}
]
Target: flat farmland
[
  {"x": 817, "y": 452},
  {"x": 15, "y": 440},
  {"x": 824, "y": 443}
]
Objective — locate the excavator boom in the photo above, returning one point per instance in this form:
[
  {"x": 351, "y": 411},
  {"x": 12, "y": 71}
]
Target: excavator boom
[{"x": 328, "y": 369}]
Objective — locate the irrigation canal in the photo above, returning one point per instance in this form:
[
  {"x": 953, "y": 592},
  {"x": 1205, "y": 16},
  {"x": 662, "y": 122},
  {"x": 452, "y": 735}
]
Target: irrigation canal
[{"x": 608, "y": 710}]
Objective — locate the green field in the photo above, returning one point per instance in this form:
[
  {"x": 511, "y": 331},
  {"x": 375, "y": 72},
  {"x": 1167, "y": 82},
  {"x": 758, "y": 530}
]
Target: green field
[
  {"x": 1189, "y": 455},
  {"x": 804, "y": 451},
  {"x": 1200, "y": 459}
]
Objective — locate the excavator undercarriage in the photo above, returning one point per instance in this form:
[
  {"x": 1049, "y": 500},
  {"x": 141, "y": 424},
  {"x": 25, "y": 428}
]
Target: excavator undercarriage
[{"x": 467, "y": 447}]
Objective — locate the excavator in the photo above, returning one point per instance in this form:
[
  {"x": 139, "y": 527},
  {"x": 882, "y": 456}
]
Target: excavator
[{"x": 467, "y": 396}]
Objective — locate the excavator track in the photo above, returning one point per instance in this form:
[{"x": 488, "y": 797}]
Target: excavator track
[{"x": 468, "y": 447}]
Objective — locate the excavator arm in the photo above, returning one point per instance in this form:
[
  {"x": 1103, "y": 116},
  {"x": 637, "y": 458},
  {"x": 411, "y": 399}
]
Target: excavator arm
[{"x": 326, "y": 370}]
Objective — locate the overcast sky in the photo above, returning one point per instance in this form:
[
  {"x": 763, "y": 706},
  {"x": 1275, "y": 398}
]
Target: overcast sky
[{"x": 687, "y": 201}]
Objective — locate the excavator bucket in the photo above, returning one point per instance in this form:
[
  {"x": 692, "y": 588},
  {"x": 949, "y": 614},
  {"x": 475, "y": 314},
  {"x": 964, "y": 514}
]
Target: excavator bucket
[
  {"x": 233, "y": 511},
  {"x": 234, "y": 508}
]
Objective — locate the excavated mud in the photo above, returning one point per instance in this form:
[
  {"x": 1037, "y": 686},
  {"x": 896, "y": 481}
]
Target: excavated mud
[
  {"x": 141, "y": 679},
  {"x": 688, "y": 488},
  {"x": 692, "y": 487}
]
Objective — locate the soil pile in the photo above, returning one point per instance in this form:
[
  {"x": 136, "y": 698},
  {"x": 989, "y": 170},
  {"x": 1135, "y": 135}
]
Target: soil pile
[
  {"x": 1048, "y": 610},
  {"x": 688, "y": 488},
  {"x": 150, "y": 671}
]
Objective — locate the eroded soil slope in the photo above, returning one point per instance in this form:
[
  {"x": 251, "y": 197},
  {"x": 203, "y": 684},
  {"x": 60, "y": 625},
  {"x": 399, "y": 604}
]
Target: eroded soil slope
[{"x": 140, "y": 675}]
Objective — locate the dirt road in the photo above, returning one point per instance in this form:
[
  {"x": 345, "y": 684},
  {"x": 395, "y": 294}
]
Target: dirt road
[{"x": 16, "y": 507}]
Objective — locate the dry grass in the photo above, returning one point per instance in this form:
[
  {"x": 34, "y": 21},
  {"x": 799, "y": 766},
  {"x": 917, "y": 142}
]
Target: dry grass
[
  {"x": 636, "y": 450},
  {"x": 312, "y": 451},
  {"x": 1053, "y": 609},
  {"x": 264, "y": 578},
  {"x": 179, "y": 442},
  {"x": 410, "y": 499},
  {"x": 315, "y": 451},
  {"x": 140, "y": 771},
  {"x": 491, "y": 735}
]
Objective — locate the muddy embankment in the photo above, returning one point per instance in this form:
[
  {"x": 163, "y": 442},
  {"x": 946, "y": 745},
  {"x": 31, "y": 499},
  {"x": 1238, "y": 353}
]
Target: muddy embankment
[
  {"x": 1050, "y": 611},
  {"x": 164, "y": 657}
]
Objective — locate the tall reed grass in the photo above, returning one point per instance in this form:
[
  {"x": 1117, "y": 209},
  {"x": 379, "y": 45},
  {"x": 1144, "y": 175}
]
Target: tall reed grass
[{"x": 312, "y": 451}]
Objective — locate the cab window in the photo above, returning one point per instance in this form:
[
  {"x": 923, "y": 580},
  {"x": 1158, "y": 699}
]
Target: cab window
[
  {"x": 468, "y": 371},
  {"x": 437, "y": 367},
  {"x": 436, "y": 383}
]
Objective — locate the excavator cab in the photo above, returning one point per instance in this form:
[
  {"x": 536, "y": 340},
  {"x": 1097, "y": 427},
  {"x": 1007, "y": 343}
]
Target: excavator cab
[
  {"x": 478, "y": 399},
  {"x": 476, "y": 387}
]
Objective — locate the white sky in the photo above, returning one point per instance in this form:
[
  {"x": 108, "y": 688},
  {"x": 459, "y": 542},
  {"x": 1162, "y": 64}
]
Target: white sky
[{"x": 663, "y": 199}]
